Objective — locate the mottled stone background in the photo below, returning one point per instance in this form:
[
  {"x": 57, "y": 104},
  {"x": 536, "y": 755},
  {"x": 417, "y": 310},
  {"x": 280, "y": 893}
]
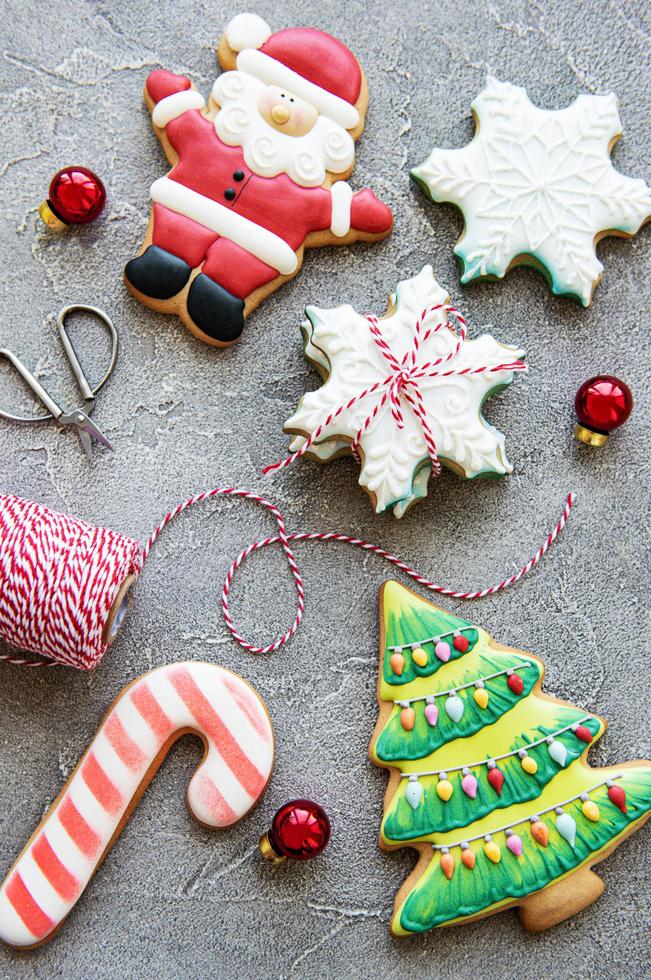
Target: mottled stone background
[{"x": 173, "y": 900}]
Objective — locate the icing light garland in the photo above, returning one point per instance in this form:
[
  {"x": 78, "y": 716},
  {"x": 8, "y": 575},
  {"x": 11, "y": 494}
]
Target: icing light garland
[
  {"x": 452, "y": 691},
  {"x": 470, "y": 787},
  {"x": 457, "y": 634},
  {"x": 35, "y": 540},
  {"x": 565, "y": 825}
]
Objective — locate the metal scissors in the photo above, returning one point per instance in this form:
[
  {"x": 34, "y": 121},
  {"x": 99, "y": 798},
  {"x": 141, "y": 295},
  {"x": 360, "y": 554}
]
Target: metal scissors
[{"x": 79, "y": 417}]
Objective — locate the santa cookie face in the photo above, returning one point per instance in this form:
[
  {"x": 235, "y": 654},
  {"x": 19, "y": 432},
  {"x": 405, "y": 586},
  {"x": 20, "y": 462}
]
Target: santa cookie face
[{"x": 258, "y": 174}]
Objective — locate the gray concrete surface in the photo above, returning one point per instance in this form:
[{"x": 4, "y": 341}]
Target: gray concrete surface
[{"x": 173, "y": 900}]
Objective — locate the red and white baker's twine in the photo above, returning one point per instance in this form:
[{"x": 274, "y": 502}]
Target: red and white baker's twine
[
  {"x": 402, "y": 382},
  {"x": 59, "y": 576}
]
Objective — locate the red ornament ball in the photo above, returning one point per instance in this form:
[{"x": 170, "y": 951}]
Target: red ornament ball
[
  {"x": 300, "y": 830},
  {"x": 617, "y": 796},
  {"x": 496, "y": 779},
  {"x": 602, "y": 403},
  {"x": 461, "y": 643},
  {"x": 76, "y": 195}
]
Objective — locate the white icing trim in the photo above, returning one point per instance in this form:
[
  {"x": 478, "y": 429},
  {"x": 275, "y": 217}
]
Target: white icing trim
[
  {"x": 80, "y": 866},
  {"x": 247, "y": 31},
  {"x": 173, "y": 106},
  {"x": 223, "y": 221},
  {"x": 342, "y": 196},
  {"x": 272, "y": 72}
]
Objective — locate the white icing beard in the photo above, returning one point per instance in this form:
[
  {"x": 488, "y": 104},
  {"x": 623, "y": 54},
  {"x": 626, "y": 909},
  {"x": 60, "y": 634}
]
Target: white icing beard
[{"x": 268, "y": 152}]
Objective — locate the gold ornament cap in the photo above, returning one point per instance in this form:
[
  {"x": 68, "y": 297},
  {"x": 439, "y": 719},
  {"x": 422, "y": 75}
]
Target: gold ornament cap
[
  {"x": 268, "y": 852},
  {"x": 50, "y": 218},
  {"x": 589, "y": 436}
]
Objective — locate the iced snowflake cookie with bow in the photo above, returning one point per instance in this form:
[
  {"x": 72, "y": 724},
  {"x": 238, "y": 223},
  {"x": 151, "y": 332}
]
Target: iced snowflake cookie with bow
[
  {"x": 537, "y": 187},
  {"x": 402, "y": 393}
]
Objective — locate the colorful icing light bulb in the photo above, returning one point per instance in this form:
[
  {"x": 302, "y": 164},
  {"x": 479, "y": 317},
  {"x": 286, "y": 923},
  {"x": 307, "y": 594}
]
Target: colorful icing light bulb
[
  {"x": 540, "y": 832},
  {"x": 515, "y": 683},
  {"x": 75, "y": 197},
  {"x": 454, "y": 708},
  {"x": 582, "y": 732},
  {"x": 492, "y": 850},
  {"x": 299, "y": 830},
  {"x": 442, "y": 651},
  {"x": 566, "y": 826},
  {"x": 444, "y": 787},
  {"x": 447, "y": 864},
  {"x": 469, "y": 784},
  {"x": 480, "y": 694},
  {"x": 514, "y": 843},
  {"x": 468, "y": 856},
  {"x": 460, "y": 642},
  {"x": 602, "y": 404},
  {"x": 419, "y": 657},
  {"x": 397, "y": 663},
  {"x": 431, "y": 711},
  {"x": 557, "y": 751},
  {"x": 414, "y": 792},
  {"x": 617, "y": 796},
  {"x": 589, "y": 808},
  {"x": 407, "y": 717},
  {"x": 529, "y": 764},
  {"x": 495, "y": 778}
]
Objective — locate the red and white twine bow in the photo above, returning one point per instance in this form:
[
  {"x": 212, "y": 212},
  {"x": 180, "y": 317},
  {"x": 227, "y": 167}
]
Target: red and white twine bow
[
  {"x": 59, "y": 576},
  {"x": 403, "y": 382}
]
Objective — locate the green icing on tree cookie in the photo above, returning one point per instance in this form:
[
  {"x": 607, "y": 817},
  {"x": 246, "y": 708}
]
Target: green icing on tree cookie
[{"x": 494, "y": 789}]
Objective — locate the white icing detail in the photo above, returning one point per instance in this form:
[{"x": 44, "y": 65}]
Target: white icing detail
[
  {"x": 12, "y": 928},
  {"x": 393, "y": 457},
  {"x": 225, "y": 222},
  {"x": 258, "y": 747},
  {"x": 537, "y": 182},
  {"x": 342, "y": 196},
  {"x": 173, "y": 106},
  {"x": 247, "y": 31},
  {"x": 272, "y": 72},
  {"x": 267, "y": 151}
]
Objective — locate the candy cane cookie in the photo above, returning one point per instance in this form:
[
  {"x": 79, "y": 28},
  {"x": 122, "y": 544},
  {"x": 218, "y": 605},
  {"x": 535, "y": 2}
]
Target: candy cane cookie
[{"x": 149, "y": 715}]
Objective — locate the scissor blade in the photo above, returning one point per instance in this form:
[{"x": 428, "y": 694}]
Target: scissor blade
[{"x": 87, "y": 431}]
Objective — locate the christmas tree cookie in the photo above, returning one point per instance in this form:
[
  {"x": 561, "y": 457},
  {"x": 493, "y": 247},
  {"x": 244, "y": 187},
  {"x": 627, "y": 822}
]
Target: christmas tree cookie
[
  {"x": 489, "y": 778},
  {"x": 537, "y": 187},
  {"x": 403, "y": 393}
]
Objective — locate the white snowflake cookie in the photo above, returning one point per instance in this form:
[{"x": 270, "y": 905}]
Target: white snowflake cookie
[
  {"x": 537, "y": 187},
  {"x": 402, "y": 393}
]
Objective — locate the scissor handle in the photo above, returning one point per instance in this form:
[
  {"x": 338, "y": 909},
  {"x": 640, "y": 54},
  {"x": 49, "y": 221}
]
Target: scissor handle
[
  {"x": 88, "y": 392},
  {"x": 38, "y": 389}
]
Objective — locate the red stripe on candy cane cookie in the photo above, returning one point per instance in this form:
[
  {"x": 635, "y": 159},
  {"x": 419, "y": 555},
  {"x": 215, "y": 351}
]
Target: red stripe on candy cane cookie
[
  {"x": 128, "y": 751},
  {"x": 38, "y": 923},
  {"x": 151, "y": 711},
  {"x": 64, "y": 883},
  {"x": 209, "y": 721},
  {"x": 106, "y": 794},
  {"x": 79, "y": 831}
]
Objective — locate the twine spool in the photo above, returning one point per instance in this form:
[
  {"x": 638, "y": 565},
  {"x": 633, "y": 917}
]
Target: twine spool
[{"x": 64, "y": 584}]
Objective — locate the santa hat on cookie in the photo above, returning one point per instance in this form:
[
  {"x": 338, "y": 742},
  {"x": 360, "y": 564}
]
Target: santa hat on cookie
[{"x": 312, "y": 64}]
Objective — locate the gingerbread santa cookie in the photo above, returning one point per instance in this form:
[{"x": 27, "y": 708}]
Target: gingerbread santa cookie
[
  {"x": 537, "y": 187},
  {"x": 258, "y": 175},
  {"x": 403, "y": 393},
  {"x": 489, "y": 776}
]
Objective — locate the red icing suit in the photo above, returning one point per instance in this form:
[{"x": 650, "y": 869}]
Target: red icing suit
[{"x": 216, "y": 171}]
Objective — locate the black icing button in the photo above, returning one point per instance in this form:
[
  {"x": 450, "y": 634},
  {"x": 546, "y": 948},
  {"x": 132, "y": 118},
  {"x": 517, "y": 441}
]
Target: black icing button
[
  {"x": 238, "y": 175},
  {"x": 229, "y": 194}
]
